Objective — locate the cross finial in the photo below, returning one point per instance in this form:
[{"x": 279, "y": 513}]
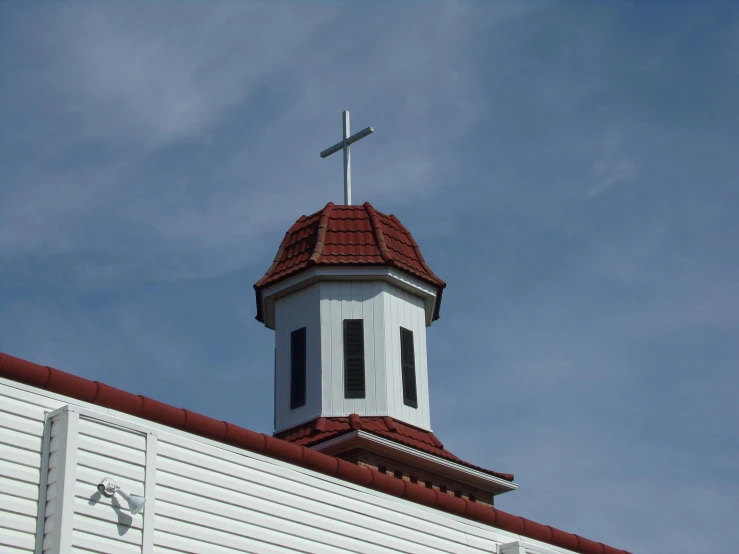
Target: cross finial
[{"x": 344, "y": 145}]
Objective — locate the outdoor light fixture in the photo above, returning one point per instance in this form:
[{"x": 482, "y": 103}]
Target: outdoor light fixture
[{"x": 135, "y": 502}]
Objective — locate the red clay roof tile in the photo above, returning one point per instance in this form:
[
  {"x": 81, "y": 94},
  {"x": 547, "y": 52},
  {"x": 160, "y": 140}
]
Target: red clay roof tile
[
  {"x": 309, "y": 434},
  {"x": 347, "y": 235},
  {"x": 60, "y": 382}
]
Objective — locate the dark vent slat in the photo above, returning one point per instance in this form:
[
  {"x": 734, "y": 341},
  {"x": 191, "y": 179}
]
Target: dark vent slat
[
  {"x": 408, "y": 367},
  {"x": 297, "y": 368},
  {"x": 354, "y": 358}
]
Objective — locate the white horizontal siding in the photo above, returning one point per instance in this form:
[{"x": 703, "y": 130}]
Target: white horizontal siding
[
  {"x": 215, "y": 497},
  {"x": 102, "y": 524},
  {"x": 212, "y": 498},
  {"x": 21, "y": 430}
]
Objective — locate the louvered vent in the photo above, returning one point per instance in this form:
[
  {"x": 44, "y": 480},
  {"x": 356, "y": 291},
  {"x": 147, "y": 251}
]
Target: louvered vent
[
  {"x": 297, "y": 368},
  {"x": 353, "y": 358},
  {"x": 408, "y": 363}
]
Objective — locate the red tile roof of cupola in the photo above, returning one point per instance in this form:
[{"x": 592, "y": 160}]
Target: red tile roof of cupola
[
  {"x": 348, "y": 236},
  {"x": 325, "y": 428},
  {"x": 60, "y": 382}
]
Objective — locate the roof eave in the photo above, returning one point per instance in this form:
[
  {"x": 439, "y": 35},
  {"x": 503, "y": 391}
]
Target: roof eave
[
  {"x": 415, "y": 457},
  {"x": 267, "y": 295}
]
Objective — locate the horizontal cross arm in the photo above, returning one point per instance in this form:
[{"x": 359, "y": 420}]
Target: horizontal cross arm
[
  {"x": 351, "y": 140},
  {"x": 335, "y": 148},
  {"x": 360, "y": 135}
]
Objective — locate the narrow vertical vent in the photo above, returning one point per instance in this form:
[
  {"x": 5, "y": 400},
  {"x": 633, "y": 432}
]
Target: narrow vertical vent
[
  {"x": 353, "y": 358},
  {"x": 408, "y": 365},
  {"x": 297, "y": 368}
]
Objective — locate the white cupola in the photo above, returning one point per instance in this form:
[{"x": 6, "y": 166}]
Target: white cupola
[{"x": 349, "y": 297}]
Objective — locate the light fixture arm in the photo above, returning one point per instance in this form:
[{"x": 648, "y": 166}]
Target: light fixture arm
[{"x": 120, "y": 490}]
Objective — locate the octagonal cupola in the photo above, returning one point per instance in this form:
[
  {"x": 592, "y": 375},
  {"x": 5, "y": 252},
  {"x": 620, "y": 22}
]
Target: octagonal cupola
[{"x": 349, "y": 296}]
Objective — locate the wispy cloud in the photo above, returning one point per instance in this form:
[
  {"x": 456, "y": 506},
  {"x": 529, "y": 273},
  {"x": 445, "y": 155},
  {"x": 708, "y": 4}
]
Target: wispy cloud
[{"x": 609, "y": 173}]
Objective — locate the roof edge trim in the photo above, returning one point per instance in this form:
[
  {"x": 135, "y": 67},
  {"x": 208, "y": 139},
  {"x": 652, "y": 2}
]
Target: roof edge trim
[{"x": 79, "y": 388}]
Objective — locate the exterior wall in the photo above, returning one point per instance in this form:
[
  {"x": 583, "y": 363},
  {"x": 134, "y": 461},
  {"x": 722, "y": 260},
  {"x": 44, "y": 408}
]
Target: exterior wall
[
  {"x": 202, "y": 496},
  {"x": 342, "y": 300},
  {"x": 300, "y": 309},
  {"x": 21, "y": 431},
  {"x": 77, "y": 452},
  {"x": 406, "y": 310},
  {"x": 101, "y": 523},
  {"x": 384, "y": 309},
  {"x": 322, "y": 308}
]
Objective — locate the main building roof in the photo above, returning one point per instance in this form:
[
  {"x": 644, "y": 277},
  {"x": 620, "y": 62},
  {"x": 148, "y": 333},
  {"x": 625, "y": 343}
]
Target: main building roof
[
  {"x": 348, "y": 236},
  {"x": 60, "y": 382}
]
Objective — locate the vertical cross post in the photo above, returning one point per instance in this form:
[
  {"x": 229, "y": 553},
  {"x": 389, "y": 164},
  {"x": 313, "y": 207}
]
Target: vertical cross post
[
  {"x": 347, "y": 163},
  {"x": 344, "y": 145}
]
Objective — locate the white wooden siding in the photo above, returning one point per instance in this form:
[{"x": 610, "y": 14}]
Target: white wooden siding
[
  {"x": 294, "y": 312},
  {"x": 322, "y": 308},
  {"x": 406, "y": 310},
  {"x": 100, "y": 523},
  {"x": 384, "y": 308},
  {"x": 21, "y": 430},
  {"x": 218, "y": 497},
  {"x": 202, "y": 496}
]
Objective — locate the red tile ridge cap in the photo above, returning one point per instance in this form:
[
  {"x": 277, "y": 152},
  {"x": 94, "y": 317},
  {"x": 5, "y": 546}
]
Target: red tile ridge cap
[
  {"x": 387, "y": 257},
  {"x": 94, "y": 392},
  {"x": 390, "y": 424},
  {"x": 355, "y": 422},
  {"x": 321, "y": 236},
  {"x": 320, "y": 424}
]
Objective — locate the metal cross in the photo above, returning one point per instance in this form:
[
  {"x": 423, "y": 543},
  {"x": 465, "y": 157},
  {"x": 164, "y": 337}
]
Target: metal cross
[{"x": 344, "y": 145}]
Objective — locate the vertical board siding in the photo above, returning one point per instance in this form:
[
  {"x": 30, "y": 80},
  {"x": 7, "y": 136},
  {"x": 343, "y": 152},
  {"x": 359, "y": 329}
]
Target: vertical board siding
[
  {"x": 370, "y": 377},
  {"x": 21, "y": 430},
  {"x": 406, "y": 310},
  {"x": 422, "y": 369},
  {"x": 331, "y": 294},
  {"x": 384, "y": 309},
  {"x": 341, "y": 300},
  {"x": 293, "y": 312},
  {"x": 378, "y": 330}
]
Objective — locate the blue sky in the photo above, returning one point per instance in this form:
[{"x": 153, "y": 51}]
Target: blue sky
[{"x": 568, "y": 168}]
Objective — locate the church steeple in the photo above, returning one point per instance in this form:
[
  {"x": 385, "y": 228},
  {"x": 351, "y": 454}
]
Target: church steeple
[{"x": 349, "y": 296}]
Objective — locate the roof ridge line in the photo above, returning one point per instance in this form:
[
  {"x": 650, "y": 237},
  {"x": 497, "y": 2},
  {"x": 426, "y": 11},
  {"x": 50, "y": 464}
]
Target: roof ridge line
[
  {"x": 387, "y": 257},
  {"x": 321, "y": 235}
]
